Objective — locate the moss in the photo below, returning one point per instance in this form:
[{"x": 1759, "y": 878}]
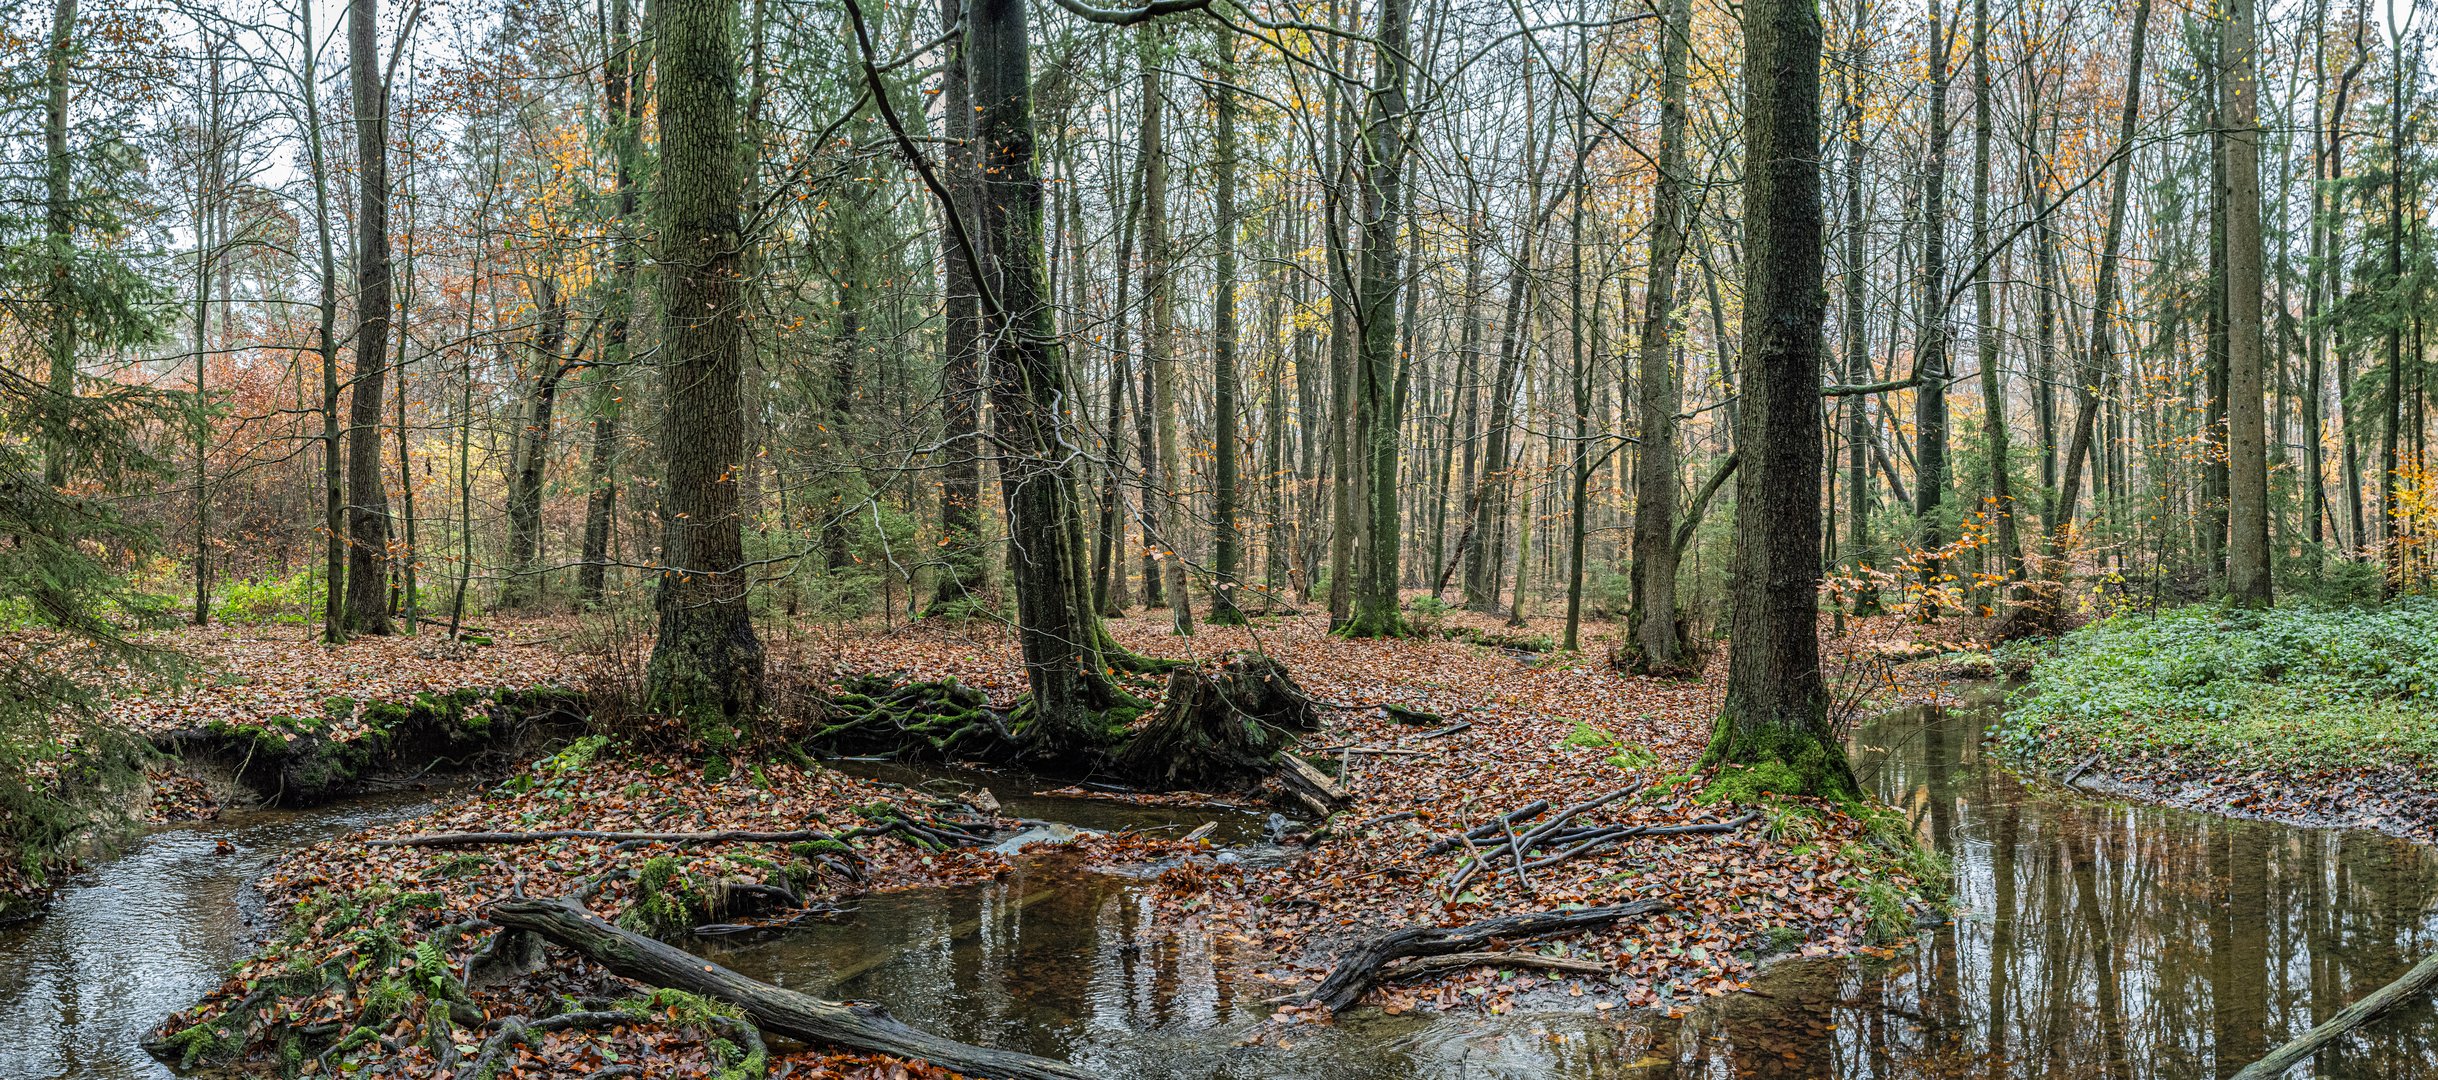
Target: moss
[
  {"x": 1776, "y": 759},
  {"x": 1586, "y": 737},
  {"x": 666, "y": 898}
]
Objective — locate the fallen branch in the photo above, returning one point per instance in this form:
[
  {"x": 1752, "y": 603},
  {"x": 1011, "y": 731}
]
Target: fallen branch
[
  {"x": 1525, "y": 812},
  {"x": 1451, "y": 729},
  {"x": 1430, "y": 965},
  {"x": 795, "y": 1015},
  {"x": 1359, "y": 966},
  {"x": 2354, "y": 1015},
  {"x": 725, "y": 836}
]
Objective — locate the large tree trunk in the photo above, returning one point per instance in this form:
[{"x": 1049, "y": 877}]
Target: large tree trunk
[
  {"x": 1656, "y": 634},
  {"x": 1776, "y": 710},
  {"x": 706, "y": 665},
  {"x": 1375, "y": 609},
  {"x": 2247, "y": 435},
  {"x": 367, "y": 502},
  {"x": 1063, "y": 642}
]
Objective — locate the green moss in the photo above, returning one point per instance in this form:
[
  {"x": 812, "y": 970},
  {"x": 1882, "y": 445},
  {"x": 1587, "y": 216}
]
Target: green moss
[
  {"x": 666, "y": 899},
  {"x": 1586, "y": 737}
]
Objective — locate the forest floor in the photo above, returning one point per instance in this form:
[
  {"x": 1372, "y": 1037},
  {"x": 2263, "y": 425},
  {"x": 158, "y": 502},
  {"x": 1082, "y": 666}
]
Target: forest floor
[
  {"x": 381, "y": 954},
  {"x": 2316, "y": 716}
]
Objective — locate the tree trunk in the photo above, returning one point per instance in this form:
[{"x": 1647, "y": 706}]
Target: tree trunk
[
  {"x": 1163, "y": 499},
  {"x": 2247, "y": 436},
  {"x": 622, "y": 76},
  {"x": 367, "y": 502},
  {"x": 2101, "y": 345},
  {"x": 530, "y": 457},
  {"x": 1375, "y": 602},
  {"x": 1857, "y": 331},
  {"x": 1225, "y": 545},
  {"x": 1656, "y": 632},
  {"x": 1985, "y": 315},
  {"x": 795, "y": 1015},
  {"x": 1930, "y": 326},
  {"x": 1063, "y": 642},
  {"x": 706, "y": 665},
  {"x": 963, "y": 565},
  {"x": 59, "y": 235},
  {"x": 1775, "y": 717}
]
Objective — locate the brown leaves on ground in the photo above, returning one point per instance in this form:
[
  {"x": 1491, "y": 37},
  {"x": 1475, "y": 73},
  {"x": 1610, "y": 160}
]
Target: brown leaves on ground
[{"x": 250, "y": 675}]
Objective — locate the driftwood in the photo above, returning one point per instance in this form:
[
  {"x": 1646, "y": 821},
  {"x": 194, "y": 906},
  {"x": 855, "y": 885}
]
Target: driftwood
[
  {"x": 1360, "y": 965},
  {"x": 795, "y": 1015},
  {"x": 2354, "y": 1015}
]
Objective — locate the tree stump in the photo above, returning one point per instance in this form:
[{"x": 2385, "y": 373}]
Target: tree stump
[{"x": 1221, "y": 729}]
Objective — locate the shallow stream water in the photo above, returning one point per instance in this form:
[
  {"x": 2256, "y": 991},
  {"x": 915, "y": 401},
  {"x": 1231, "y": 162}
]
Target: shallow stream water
[
  {"x": 2092, "y": 938},
  {"x": 146, "y": 934}
]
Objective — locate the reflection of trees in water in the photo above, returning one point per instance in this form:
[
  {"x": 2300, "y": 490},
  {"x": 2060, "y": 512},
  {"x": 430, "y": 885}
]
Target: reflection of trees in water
[{"x": 2096, "y": 939}]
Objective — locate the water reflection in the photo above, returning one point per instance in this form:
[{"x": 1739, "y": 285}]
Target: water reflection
[
  {"x": 2097, "y": 939},
  {"x": 144, "y": 935},
  {"x": 2092, "y": 939}
]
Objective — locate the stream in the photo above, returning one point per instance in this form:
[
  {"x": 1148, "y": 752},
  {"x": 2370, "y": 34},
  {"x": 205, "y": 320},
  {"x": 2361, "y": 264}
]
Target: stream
[
  {"x": 149, "y": 933},
  {"x": 2091, "y": 938}
]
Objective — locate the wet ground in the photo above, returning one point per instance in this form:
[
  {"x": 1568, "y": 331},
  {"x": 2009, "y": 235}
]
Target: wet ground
[{"x": 2092, "y": 938}]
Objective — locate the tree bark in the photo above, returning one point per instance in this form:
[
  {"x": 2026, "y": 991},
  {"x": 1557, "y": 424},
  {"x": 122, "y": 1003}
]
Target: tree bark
[
  {"x": 2101, "y": 345},
  {"x": 2247, "y": 435},
  {"x": 367, "y": 502},
  {"x": 1376, "y": 417},
  {"x": 1225, "y": 545},
  {"x": 1063, "y": 642},
  {"x": 1930, "y": 326},
  {"x": 1776, "y": 710},
  {"x": 622, "y": 77},
  {"x": 706, "y": 665},
  {"x": 1656, "y": 630},
  {"x": 963, "y": 566}
]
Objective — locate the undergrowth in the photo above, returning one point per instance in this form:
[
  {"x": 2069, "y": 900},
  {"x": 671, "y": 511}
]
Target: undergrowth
[{"x": 2302, "y": 690}]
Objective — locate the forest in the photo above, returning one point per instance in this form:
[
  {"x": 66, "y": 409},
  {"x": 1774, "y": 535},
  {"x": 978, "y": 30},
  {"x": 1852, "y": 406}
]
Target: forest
[{"x": 1247, "y": 538}]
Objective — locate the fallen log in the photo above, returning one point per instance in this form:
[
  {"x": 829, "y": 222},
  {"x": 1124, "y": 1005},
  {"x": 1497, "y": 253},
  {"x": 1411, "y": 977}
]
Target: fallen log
[
  {"x": 1406, "y": 714},
  {"x": 2353, "y": 1016},
  {"x": 1359, "y": 966},
  {"x": 795, "y": 1015}
]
